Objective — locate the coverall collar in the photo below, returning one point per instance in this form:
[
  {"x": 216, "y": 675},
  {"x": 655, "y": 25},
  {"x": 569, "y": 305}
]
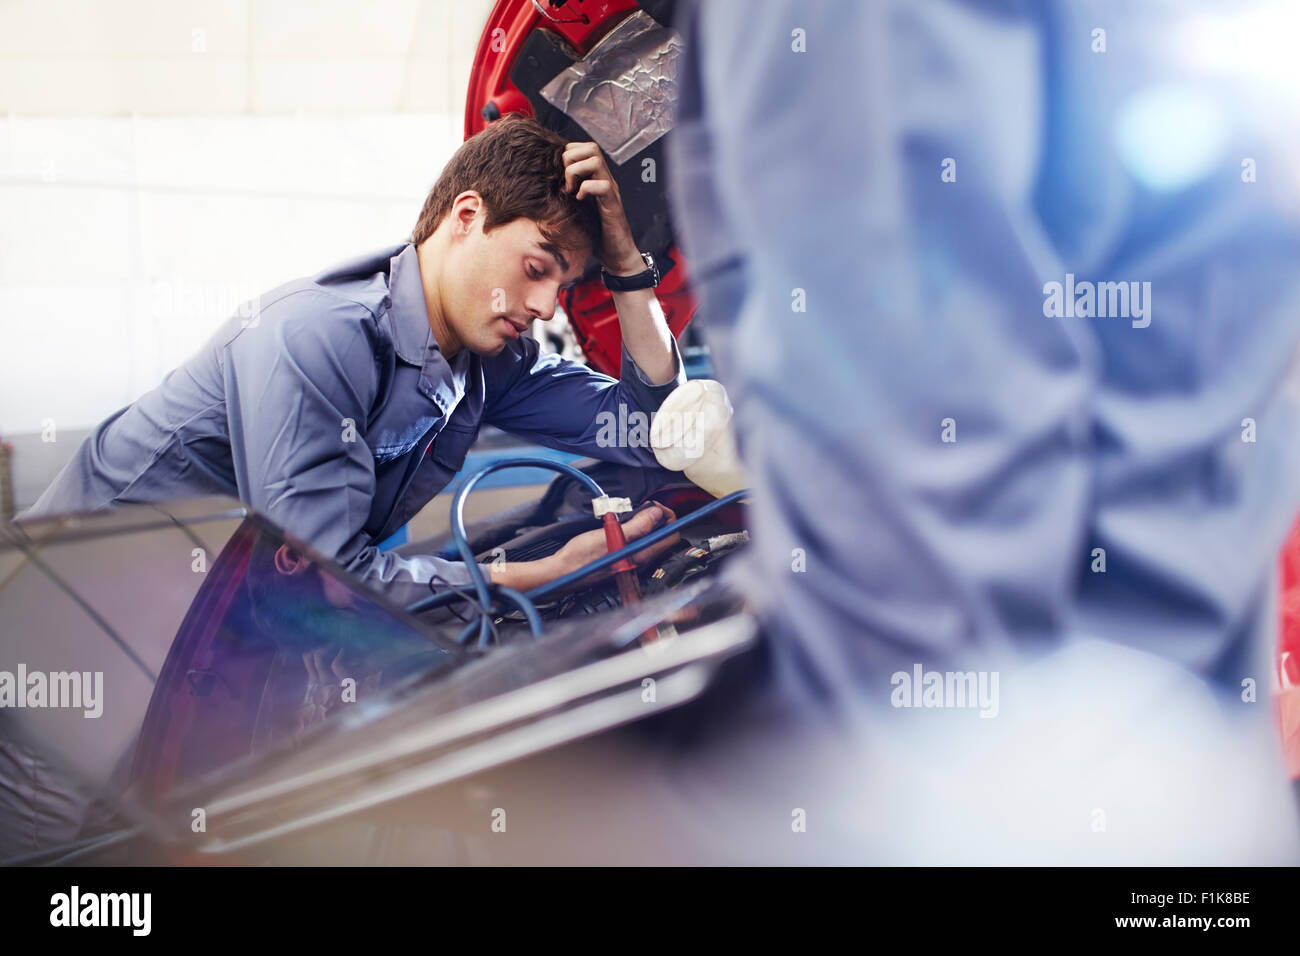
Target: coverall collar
[{"x": 442, "y": 381}]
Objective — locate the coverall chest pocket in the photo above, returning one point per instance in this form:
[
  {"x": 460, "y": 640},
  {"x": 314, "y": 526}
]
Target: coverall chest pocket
[
  {"x": 452, "y": 445},
  {"x": 431, "y": 474}
]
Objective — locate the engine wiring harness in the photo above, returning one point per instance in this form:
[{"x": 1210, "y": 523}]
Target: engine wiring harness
[{"x": 488, "y": 597}]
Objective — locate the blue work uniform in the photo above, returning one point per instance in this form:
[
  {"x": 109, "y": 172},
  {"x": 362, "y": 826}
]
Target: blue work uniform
[
  {"x": 942, "y": 468},
  {"x": 329, "y": 408}
]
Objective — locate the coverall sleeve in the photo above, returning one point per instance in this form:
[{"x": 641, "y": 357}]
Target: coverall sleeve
[
  {"x": 570, "y": 407},
  {"x": 299, "y": 389}
]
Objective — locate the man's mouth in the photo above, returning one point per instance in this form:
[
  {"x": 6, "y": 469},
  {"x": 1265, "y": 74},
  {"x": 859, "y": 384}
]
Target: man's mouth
[{"x": 516, "y": 328}]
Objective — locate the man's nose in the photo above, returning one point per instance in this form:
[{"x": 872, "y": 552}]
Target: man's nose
[{"x": 541, "y": 306}]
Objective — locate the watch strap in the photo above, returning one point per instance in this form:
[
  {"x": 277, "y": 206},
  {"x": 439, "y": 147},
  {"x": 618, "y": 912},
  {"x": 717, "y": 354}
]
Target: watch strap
[{"x": 647, "y": 279}]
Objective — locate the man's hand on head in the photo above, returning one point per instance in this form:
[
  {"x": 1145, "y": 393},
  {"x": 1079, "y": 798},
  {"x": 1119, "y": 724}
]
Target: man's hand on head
[{"x": 586, "y": 172}]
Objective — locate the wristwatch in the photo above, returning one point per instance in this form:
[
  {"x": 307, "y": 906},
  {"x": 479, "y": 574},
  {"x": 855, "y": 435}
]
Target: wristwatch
[{"x": 641, "y": 280}]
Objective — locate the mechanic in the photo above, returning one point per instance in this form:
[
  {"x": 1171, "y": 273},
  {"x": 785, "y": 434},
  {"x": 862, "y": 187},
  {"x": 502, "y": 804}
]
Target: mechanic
[{"x": 339, "y": 405}]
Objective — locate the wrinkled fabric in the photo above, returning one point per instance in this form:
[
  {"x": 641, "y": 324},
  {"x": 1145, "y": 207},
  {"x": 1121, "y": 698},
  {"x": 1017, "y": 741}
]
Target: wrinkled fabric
[
  {"x": 329, "y": 408},
  {"x": 818, "y": 174}
]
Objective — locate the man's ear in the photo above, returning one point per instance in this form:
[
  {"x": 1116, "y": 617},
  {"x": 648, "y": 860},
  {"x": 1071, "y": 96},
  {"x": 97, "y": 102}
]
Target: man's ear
[{"x": 465, "y": 208}]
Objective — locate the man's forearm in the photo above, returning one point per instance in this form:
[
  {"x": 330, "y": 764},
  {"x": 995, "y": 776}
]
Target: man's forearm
[
  {"x": 645, "y": 330},
  {"x": 525, "y": 575}
]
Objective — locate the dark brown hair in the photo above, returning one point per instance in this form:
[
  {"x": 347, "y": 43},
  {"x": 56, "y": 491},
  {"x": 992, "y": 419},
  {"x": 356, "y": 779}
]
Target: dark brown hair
[{"x": 517, "y": 166}]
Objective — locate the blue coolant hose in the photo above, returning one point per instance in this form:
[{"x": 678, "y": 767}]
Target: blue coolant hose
[{"x": 525, "y": 602}]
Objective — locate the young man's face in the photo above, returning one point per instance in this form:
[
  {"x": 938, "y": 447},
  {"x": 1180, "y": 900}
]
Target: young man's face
[{"x": 499, "y": 281}]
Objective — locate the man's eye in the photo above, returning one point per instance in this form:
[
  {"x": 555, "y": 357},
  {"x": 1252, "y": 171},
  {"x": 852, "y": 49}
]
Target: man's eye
[{"x": 533, "y": 272}]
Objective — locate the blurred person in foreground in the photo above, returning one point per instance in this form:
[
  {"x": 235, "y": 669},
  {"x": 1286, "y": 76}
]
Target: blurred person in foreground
[{"x": 886, "y": 207}]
